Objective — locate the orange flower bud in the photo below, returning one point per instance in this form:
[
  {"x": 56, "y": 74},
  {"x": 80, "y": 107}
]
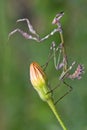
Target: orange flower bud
[
  {"x": 37, "y": 76},
  {"x": 39, "y": 81}
]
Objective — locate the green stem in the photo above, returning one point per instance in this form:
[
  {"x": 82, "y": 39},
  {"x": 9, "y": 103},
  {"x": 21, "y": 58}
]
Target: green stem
[{"x": 53, "y": 108}]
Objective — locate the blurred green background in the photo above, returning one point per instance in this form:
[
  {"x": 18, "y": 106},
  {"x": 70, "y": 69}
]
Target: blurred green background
[{"x": 20, "y": 105}]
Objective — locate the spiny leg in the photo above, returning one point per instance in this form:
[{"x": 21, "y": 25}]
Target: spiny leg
[
  {"x": 32, "y": 31},
  {"x": 66, "y": 93},
  {"x": 69, "y": 90},
  {"x": 55, "y": 53},
  {"x": 64, "y": 74},
  {"x": 52, "y": 54},
  {"x": 36, "y": 37},
  {"x": 52, "y": 90},
  {"x": 50, "y": 34},
  {"x": 57, "y": 58},
  {"x": 24, "y": 34},
  {"x": 30, "y": 27}
]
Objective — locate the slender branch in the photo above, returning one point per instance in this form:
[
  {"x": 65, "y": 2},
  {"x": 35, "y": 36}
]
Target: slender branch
[{"x": 52, "y": 106}]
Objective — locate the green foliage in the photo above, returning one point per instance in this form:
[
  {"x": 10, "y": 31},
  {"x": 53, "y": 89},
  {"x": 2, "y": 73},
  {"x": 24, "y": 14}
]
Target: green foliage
[{"x": 20, "y": 106}]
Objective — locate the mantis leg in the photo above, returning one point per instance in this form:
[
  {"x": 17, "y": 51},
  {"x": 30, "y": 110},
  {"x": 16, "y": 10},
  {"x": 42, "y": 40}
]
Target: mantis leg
[
  {"x": 69, "y": 90},
  {"x": 66, "y": 93},
  {"x": 52, "y": 54},
  {"x": 30, "y": 27},
  {"x": 24, "y": 34},
  {"x": 32, "y": 31}
]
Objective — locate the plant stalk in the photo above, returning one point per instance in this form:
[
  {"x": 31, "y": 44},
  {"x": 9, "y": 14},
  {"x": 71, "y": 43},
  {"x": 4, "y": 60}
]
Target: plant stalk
[{"x": 53, "y": 108}]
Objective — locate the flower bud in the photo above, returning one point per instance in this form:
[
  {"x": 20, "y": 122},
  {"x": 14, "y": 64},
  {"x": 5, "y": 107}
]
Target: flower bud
[
  {"x": 39, "y": 81},
  {"x": 37, "y": 76}
]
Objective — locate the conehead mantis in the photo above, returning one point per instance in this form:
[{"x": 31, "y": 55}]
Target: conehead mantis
[{"x": 54, "y": 50}]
